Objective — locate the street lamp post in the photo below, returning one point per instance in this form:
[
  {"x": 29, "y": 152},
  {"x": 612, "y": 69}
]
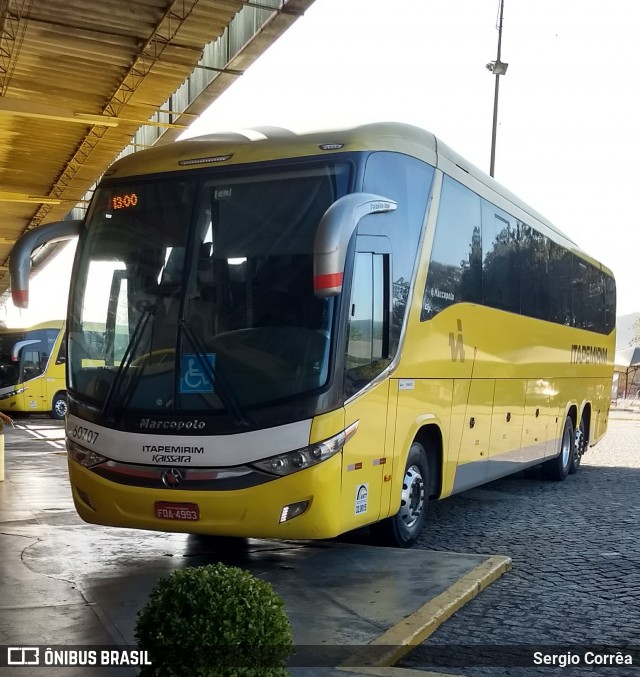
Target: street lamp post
[{"x": 498, "y": 68}]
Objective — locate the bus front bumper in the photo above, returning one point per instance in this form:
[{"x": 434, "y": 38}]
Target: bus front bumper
[{"x": 253, "y": 512}]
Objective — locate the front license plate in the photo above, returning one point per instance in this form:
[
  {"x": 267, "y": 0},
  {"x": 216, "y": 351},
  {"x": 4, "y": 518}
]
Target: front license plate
[{"x": 177, "y": 511}]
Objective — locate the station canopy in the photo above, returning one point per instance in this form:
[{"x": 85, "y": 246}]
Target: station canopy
[
  {"x": 627, "y": 362},
  {"x": 83, "y": 81},
  {"x": 627, "y": 358}
]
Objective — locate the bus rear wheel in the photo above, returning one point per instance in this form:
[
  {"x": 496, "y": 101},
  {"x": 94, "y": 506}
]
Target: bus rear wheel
[
  {"x": 558, "y": 467},
  {"x": 580, "y": 446},
  {"x": 402, "y": 529},
  {"x": 59, "y": 407}
]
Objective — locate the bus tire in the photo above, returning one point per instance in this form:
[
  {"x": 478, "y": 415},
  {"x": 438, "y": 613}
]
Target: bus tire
[
  {"x": 580, "y": 446},
  {"x": 558, "y": 467},
  {"x": 59, "y": 406},
  {"x": 402, "y": 529}
]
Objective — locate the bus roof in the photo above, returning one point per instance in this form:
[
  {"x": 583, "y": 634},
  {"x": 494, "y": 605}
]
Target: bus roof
[{"x": 275, "y": 143}]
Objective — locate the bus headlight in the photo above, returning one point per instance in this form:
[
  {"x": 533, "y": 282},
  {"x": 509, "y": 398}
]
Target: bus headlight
[
  {"x": 300, "y": 459},
  {"x": 83, "y": 456}
]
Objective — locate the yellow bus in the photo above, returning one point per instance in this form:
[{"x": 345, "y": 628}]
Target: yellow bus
[
  {"x": 307, "y": 334},
  {"x": 32, "y": 370}
]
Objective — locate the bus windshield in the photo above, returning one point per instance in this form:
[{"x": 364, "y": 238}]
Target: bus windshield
[{"x": 194, "y": 292}]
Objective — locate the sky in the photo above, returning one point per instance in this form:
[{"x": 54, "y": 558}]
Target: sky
[{"x": 568, "y": 138}]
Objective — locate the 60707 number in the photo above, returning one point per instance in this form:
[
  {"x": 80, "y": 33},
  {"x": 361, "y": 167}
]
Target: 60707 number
[{"x": 84, "y": 434}]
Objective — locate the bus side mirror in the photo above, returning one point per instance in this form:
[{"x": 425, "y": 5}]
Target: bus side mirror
[
  {"x": 20, "y": 263},
  {"x": 332, "y": 238},
  {"x": 19, "y": 346}
]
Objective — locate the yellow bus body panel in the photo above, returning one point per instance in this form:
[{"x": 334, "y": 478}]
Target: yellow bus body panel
[
  {"x": 365, "y": 459},
  {"x": 498, "y": 387}
]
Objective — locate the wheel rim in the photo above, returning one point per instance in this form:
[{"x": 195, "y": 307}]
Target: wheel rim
[
  {"x": 566, "y": 447},
  {"x": 412, "y": 498},
  {"x": 580, "y": 442},
  {"x": 60, "y": 408}
]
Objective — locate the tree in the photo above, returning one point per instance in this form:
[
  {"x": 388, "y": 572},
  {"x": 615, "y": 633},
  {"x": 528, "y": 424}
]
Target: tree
[{"x": 635, "y": 341}]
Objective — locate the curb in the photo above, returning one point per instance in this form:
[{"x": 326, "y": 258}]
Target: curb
[{"x": 400, "y": 639}]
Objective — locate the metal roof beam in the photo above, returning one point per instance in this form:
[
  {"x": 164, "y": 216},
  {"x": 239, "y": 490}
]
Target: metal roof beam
[
  {"x": 40, "y": 110},
  {"x": 6, "y": 196},
  {"x": 13, "y": 22},
  {"x": 163, "y": 33},
  {"x": 282, "y": 9},
  {"x": 44, "y": 111}
]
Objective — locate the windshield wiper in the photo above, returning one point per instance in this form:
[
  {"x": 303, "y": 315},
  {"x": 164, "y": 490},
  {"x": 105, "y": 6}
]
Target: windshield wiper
[
  {"x": 224, "y": 392},
  {"x": 147, "y": 309}
]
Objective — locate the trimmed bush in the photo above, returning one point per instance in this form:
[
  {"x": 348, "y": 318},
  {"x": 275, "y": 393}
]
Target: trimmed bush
[{"x": 214, "y": 621}]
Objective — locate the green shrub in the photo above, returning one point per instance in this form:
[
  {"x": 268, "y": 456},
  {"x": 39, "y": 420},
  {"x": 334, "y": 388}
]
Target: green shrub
[{"x": 211, "y": 621}]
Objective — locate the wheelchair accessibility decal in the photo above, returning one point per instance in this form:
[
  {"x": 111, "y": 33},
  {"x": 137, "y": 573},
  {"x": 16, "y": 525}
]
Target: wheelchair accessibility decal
[{"x": 194, "y": 377}]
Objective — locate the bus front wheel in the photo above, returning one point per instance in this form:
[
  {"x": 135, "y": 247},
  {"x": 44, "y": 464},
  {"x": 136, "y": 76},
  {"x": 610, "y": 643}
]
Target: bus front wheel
[
  {"x": 59, "y": 407},
  {"x": 558, "y": 467},
  {"x": 402, "y": 530}
]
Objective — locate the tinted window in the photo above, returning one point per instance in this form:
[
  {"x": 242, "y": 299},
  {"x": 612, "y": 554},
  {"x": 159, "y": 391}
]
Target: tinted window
[
  {"x": 455, "y": 269},
  {"x": 62, "y": 352},
  {"x": 560, "y": 281},
  {"x": 609, "y": 304},
  {"x": 500, "y": 262},
  {"x": 509, "y": 265},
  {"x": 367, "y": 347},
  {"x": 534, "y": 273},
  {"x": 594, "y": 299},
  {"x": 578, "y": 292},
  {"x": 408, "y": 181},
  {"x": 588, "y": 295}
]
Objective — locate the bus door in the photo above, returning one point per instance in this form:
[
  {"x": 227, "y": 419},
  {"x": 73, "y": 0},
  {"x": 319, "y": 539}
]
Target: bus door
[
  {"x": 367, "y": 457},
  {"x": 54, "y": 370}
]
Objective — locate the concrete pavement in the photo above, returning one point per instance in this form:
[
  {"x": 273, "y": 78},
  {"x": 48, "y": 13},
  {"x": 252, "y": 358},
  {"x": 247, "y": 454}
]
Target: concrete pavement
[{"x": 354, "y": 609}]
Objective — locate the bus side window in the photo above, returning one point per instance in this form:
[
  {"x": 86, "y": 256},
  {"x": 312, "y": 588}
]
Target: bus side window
[
  {"x": 368, "y": 344},
  {"x": 62, "y": 351},
  {"x": 560, "y": 281},
  {"x": 534, "y": 273},
  {"x": 455, "y": 269},
  {"x": 500, "y": 260},
  {"x": 31, "y": 364},
  {"x": 609, "y": 304}
]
